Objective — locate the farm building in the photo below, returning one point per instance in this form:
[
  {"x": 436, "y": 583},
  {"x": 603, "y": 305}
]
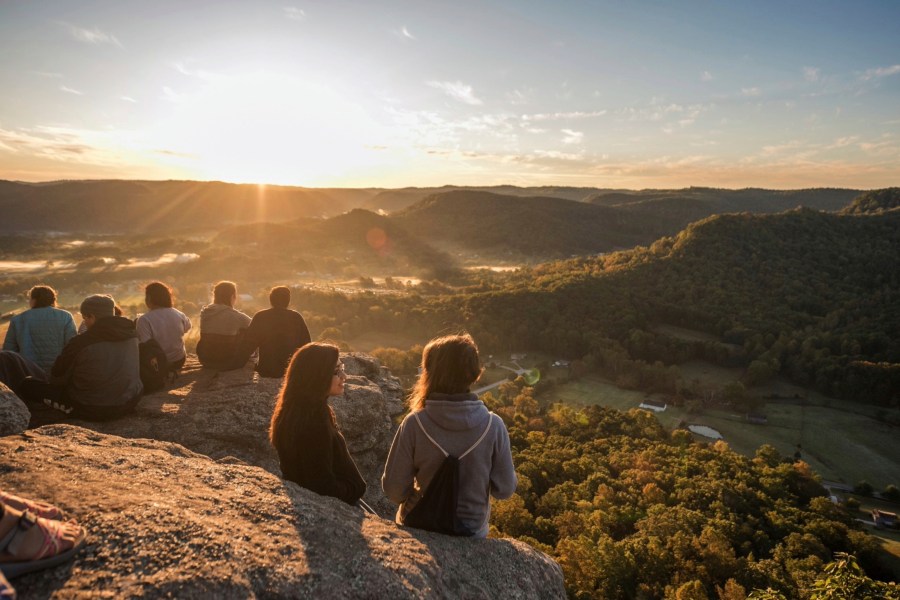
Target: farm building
[{"x": 654, "y": 405}]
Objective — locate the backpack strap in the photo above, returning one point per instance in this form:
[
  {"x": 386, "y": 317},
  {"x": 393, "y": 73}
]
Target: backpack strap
[
  {"x": 472, "y": 447},
  {"x": 422, "y": 427},
  {"x": 486, "y": 429}
]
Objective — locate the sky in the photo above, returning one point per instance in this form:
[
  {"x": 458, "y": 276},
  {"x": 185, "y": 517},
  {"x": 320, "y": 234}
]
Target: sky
[{"x": 611, "y": 94}]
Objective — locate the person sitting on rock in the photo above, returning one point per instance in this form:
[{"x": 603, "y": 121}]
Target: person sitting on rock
[
  {"x": 40, "y": 333},
  {"x": 33, "y": 536},
  {"x": 97, "y": 376},
  {"x": 222, "y": 327},
  {"x": 312, "y": 452},
  {"x": 446, "y": 417},
  {"x": 277, "y": 332},
  {"x": 164, "y": 323}
]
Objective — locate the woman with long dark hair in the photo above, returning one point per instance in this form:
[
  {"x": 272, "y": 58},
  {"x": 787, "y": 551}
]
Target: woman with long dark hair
[
  {"x": 447, "y": 419},
  {"x": 312, "y": 452}
]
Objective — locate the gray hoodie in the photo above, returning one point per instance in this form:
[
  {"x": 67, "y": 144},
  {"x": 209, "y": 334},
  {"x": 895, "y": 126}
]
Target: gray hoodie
[
  {"x": 455, "y": 422},
  {"x": 222, "y": 319}
]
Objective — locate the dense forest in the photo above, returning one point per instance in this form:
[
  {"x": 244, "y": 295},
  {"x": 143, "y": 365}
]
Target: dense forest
[
  {"x": 631, "y": 510},
  {"x": 809, "y": 295}
]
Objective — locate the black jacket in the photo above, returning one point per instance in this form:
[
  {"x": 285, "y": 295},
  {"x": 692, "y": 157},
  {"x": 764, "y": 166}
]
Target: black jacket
[
  {"x": 101, "y": 367},
  {"x": 321, "y": 462},
  {"x": 277, "y": 332}
]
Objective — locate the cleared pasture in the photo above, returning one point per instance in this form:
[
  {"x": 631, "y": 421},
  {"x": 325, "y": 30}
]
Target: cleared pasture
[{"x": 839, "y": 445}]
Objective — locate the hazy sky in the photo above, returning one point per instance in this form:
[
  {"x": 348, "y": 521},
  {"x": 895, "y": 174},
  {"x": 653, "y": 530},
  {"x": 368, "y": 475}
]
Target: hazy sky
[{"x": 635, "y": 94}]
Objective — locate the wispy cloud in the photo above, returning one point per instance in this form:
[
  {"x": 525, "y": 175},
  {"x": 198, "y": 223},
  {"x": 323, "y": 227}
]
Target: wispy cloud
[
  {"x": 294, "y": 14},
  {"x": 457, "y": 90},
  {"x": 171, "y": 95},
  {"x": 92, "y": 36},
  {"x": 571, "y": 136},
  {"x": 560, "y": 116},
  {"x": 48, "y": 74},
  {"x": 128, "y": 99},
  {"x": 879, "y": 72},
  {"x": 751, "y": 91},
  {"x": 706, "y": 76},
  {"x": 811, "y": 74},
  {"x": 517, "y": 96},
  {"x": 405, "y": 33},
  {"x": 69, "y": 90}
]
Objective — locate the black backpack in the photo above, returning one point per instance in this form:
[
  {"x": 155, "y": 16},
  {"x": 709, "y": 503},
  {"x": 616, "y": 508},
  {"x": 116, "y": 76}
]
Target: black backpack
[
  {"x": 436, "y": 510},
  {"x": 154, "y": 366}
]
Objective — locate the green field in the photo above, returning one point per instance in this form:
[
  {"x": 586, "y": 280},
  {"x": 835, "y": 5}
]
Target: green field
[{"x": 839, "y": 445}]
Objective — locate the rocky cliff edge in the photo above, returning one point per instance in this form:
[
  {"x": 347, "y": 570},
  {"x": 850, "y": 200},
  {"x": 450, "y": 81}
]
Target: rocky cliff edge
[{"x": 183, "y": 500}]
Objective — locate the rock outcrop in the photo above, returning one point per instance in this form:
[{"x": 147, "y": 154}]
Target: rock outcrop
[
  {"x": 225, "y": 415},
  {"x": 14, "y": 415},
  {"x": 164, "y": 521}
]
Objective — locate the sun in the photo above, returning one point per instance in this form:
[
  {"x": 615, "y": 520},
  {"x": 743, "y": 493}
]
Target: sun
[{"x": 270, "y": 128}]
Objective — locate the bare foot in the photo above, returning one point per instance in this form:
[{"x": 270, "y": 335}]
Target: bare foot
[{"x": 40, "y": 509}]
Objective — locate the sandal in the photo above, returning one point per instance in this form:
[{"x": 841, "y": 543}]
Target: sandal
[
  {"x": 39, "y": 509},
  {"x": 50, "y": 552}
]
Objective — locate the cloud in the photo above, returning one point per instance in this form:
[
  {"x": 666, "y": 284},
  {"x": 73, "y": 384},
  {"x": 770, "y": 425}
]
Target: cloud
[
  {"x": 810, "y": 74},
  {"x": 48, "y": 142},
  {"x": 128, "y": 99},
  {"x": 751, "y": 91},
  {"x": 69, "y": 90},
  {"x": 405, "y": 33},
  {"x": 517, "y": 97},
  {"x": 706, "y": 76},
  {"x": 572, "y": 137},
  {"x": 92, "y": 36},
  {"x": 293, "y": 13},
  {"x": 48, "y": 74},
  {"x": 879, "y": 72},
  {"x": 457, "y": 90},
  {"x": 557, "y": 116},
  {"x": 171, "y": 95}
]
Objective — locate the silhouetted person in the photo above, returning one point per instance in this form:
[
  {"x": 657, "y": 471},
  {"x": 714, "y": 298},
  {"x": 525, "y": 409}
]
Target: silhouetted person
[
  {"x": 97, "y": 376},
  {"x": 164, "y": 323},
  {"x": 311, "y": 450},
  {"x": 277, "y": 332},
  {"x": 444, "y": 412},
  {"x": 220, "y": 346}
]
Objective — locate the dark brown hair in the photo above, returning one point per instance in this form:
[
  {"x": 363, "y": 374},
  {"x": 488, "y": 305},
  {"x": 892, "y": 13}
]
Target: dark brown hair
[
  {"x": 304, "y": 394},
  {"x": 159, "y": 295},
  {"x": 223, "y": 292},
  {"x": 280, "y": 296},
  {"x": 450, "y": 365},
  {"x": 43, "y": 295}
]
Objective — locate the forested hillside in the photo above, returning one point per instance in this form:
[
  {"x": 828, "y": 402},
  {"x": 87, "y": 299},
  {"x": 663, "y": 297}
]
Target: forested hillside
[
  {"x": 813, "y": 296},
  {"x": 874, "y": 201},
  {"x": 524, "y": 227},
  {"x": 631, "y": 510}
]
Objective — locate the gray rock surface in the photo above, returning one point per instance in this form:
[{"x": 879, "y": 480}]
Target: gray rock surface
[
  {"x": 167, "y": 522},
  {"x": 225, "y": 415},
  {"x": 14, "y": 415}
]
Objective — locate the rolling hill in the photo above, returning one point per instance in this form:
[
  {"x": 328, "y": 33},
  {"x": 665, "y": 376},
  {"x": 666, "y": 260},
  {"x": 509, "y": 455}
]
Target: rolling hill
[
  {"x": 523, "y": 227},
  {"x": 161, "y": 206}
]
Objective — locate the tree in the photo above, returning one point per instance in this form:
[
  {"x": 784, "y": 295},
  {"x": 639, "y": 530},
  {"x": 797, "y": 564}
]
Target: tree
[{"x": 863, "y": 488}]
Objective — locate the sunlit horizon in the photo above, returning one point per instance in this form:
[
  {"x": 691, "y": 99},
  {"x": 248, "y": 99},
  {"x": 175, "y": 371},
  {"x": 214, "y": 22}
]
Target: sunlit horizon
[{"x": 645, "y": 95}]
